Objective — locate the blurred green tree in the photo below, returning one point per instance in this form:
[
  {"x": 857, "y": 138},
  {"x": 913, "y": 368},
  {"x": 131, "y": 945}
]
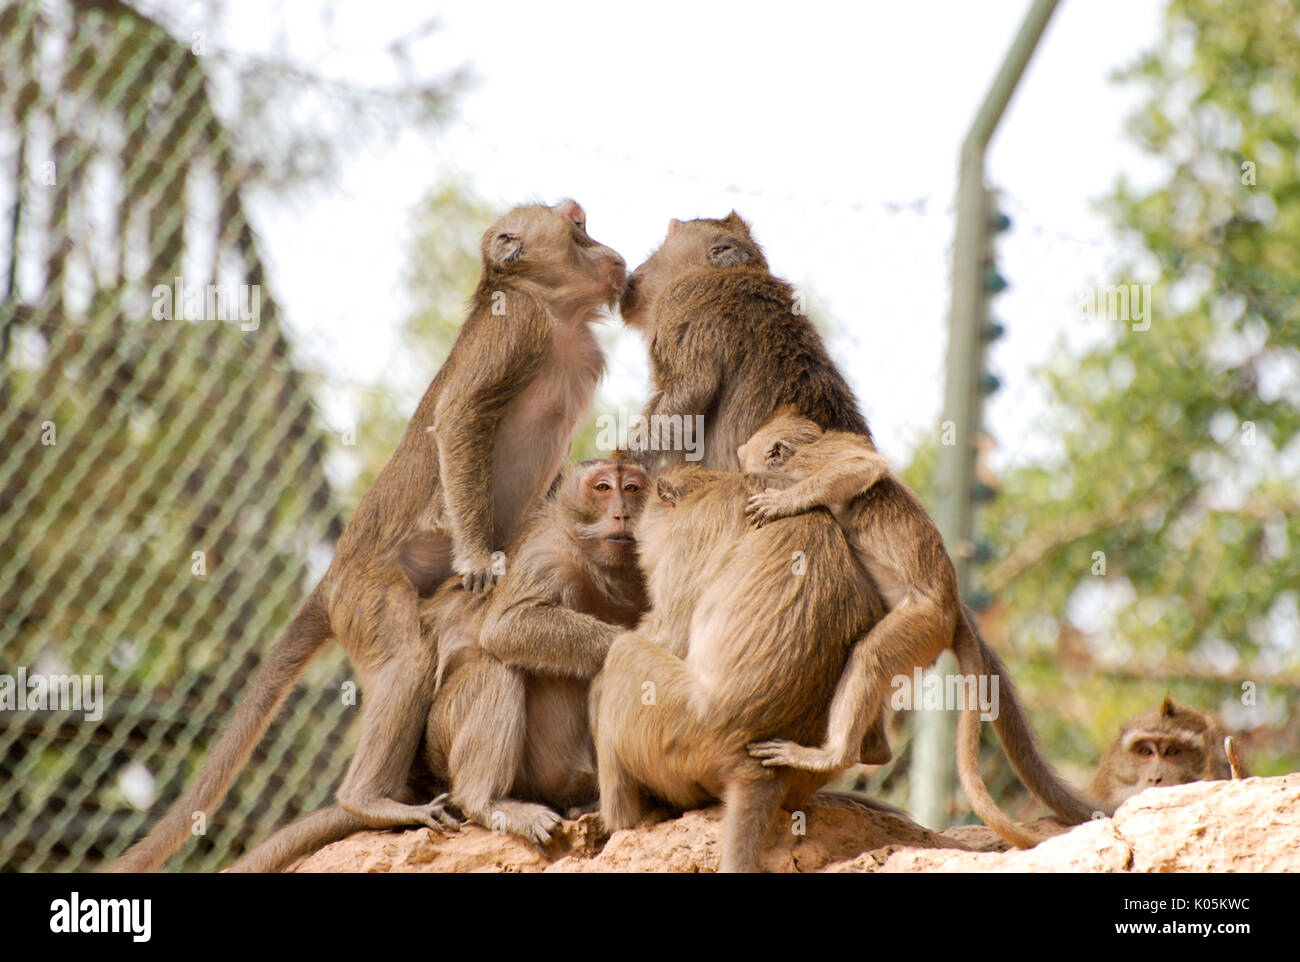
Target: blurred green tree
[{"x": 1156, "y": 551}]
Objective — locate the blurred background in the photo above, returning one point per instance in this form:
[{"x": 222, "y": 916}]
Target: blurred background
[{"x": 175, "y": 468}]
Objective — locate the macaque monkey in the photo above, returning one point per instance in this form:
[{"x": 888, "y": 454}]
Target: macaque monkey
[
  {"x": 898, "y": 545},
  {"x": 746, "y": 636},
  {"x": 508, "y": 729},
  {"x": 1170, "y": 745},
  {"x": 487, "y": 438},
  {"x": 729, "y": 342}
]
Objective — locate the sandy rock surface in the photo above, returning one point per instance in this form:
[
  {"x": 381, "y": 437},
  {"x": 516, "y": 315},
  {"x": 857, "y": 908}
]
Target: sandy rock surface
[{"x": 1247, "y": 826}]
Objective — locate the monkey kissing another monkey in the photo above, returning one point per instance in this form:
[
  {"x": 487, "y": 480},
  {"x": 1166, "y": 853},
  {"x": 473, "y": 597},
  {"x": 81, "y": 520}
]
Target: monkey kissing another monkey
[
  {"x": 900, "y": 547},
  {"x": 487, "y": 438},
  {"x": 508, "y": 728},
  {"x": 728, "y": 341},
  {"x": 1169, "y": 745},
  {"x": 747, "y": 633}
]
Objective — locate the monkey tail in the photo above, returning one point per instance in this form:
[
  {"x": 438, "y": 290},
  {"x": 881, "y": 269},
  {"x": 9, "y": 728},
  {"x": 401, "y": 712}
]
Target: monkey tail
[
  {"x": 972, "y": 664},
  {"x": 304, "y": 837},
  {"x": 1018, "y": 741},
  {"x": 302, "y": 639}
]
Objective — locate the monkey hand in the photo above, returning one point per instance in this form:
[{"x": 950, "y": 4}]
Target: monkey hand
[
  {"x": 437, "y": 817},
  {"x": 479, "y": 576},
  {"x": 768, "y": 506},
  {"x": 778, "y": 752}
]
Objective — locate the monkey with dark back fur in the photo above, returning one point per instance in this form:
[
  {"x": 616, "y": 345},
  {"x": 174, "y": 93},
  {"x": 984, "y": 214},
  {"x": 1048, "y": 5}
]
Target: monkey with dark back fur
[
  {"x": 507, "y": 732},
  {"x": 746, "y": 635},
  {"x": 487, "y": 438},
  {"x": 729, "y": 341}
]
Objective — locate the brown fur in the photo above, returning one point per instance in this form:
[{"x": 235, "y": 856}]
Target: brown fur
[
  {"x": 897, "y": 543},
  {"x": 507, "y": 730},
  {"x": 738, "y": 645},
  {"x": 487, "y": 438},
  {"x": 725, "y": 341},
  {"x": 1169, "y": 745}
]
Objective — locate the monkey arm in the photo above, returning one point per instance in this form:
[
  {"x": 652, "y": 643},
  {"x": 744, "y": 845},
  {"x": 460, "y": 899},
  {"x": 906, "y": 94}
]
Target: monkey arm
[
  {"x": 534, "y": 631},
  {"x": 836, "y": 484},
  {"x": 687, "y": 360},
  {"x": 507, "y": 352}
]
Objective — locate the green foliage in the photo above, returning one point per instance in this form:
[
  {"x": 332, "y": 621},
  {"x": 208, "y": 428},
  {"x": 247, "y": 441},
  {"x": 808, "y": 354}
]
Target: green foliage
[{"x": 1178, "y": 444}]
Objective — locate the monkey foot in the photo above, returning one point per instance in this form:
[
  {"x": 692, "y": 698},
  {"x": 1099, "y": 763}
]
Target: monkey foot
[
  {"x": 778, "y": 752},
  {"x": 536, "y": 823},
  {"x": 437, "y": 817}
]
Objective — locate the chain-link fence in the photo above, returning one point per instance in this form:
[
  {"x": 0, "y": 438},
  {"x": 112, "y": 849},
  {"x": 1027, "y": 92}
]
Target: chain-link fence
[{"x": 161, "y": 472}]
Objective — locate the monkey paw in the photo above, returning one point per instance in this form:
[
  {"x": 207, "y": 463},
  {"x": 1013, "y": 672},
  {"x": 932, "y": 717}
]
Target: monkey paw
[
  {"x": 767, "y": 506},
  {"x": 479, "y": 580},
  {"x": 530, "y": 821},
  {"x": 780, "y": 752},
  {"x": 437, "y": 817}
]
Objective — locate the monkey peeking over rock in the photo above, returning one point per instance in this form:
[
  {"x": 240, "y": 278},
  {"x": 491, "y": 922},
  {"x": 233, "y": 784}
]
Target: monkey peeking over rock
[{"x": 1169, "y": 745}]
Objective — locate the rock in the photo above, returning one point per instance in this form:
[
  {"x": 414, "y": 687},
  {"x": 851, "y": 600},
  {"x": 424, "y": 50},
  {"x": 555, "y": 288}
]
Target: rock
[{"x": 1246, "y": 826}]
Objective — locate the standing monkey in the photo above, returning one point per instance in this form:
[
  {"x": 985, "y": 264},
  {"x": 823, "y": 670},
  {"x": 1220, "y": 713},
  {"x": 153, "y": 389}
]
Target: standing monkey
[
  {"x": 897, "y": 543},
  {"x": 747, "y": 633},
  {"x": 486, "y": 439},
  {"x": 729, "y": 341},
  {"x": 1170, "y": 745}
]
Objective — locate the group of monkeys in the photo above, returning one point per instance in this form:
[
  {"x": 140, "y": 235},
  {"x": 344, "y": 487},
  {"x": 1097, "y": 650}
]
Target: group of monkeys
[{"x": 532, "y": 636}]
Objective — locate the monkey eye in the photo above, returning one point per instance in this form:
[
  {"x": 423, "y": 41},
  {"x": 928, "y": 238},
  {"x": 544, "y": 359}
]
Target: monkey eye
[
  {"x": 1145, "y": 750},
  {"x": 631, "y": 487},
  {"x": 602, "y": 486},
  {"x": 1171, "y": 752}
]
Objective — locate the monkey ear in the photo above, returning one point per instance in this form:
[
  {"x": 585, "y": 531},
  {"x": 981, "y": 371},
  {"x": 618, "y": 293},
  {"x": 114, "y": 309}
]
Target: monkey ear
[
  {"x": 674, "y": 226},
  {"x": 1167, "y": 707},
  {"x": 668, "y": 492},
  {"x": 779, "y": 453},
  {"x": 506, "y": 247},
  {"x": 725, "y": 253},
  {"x": 572, "y": 210},
  {"x": 735, "y": 220}
]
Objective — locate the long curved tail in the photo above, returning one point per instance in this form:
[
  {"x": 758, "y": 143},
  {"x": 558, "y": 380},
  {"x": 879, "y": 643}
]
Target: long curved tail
[
  {"x": 1021, "y": 746},
  {"x": 972, "y": 663},
  {"x": 303, "y": 837},
  {"x": 302, "y": 639}
]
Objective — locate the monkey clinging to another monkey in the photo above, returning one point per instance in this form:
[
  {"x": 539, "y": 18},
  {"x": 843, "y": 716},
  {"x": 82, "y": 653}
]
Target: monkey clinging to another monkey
[
  {"x": 898, "y": 545},
  {"x": 486, "y": 440},
  {"x": 1169, "y": 745}
]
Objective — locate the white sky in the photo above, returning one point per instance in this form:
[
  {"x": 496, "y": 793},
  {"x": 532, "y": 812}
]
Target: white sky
[{"x": 814, "y": 120}]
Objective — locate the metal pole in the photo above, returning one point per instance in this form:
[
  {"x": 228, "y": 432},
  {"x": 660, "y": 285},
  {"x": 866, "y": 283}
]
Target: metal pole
[{"x": 931, "y": 782}]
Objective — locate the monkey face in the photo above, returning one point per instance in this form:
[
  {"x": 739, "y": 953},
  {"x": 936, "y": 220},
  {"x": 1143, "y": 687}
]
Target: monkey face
[
  {"x": 1162, "y": 758},
  {"x": 550, "y": 247},
  {"x": 690, "y": 246},
  {"x": 611, "y": 495}
]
